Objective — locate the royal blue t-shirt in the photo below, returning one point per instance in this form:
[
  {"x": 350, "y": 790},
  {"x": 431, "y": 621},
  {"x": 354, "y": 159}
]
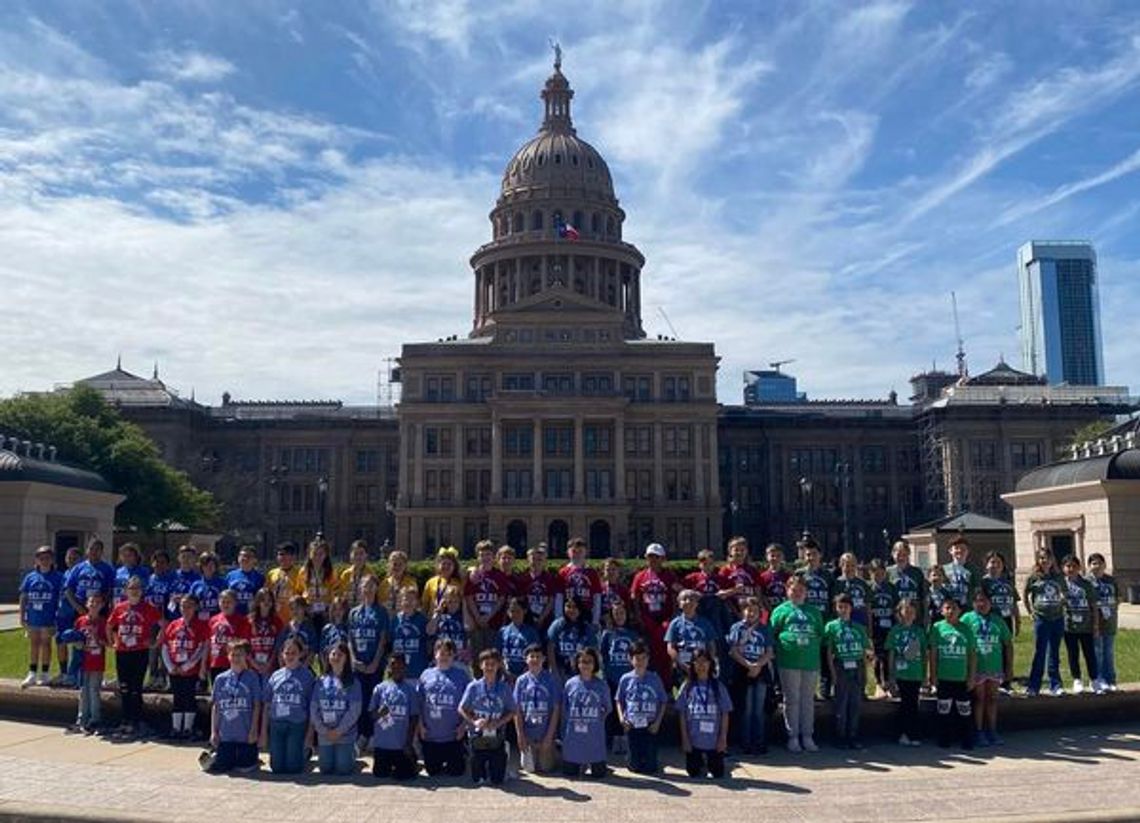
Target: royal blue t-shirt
[
  {"x": 245, "y": 586},
  {"x": 334, "y": 708},
  {"x": 367, "y": 625},
  {"x": 753, "y": 641},
  {"x": 513, "y": 641},
  {"x": 125, "y": 573},
  {"x": 64, "y": 613},
  {"x": 158, "y": 591},
  {"x": 331, "y": 634},
  {"x": 641, "y": 698},
  {"x": 182, "y": 583},
  {"x": 585, "y": 704},
  {"x": 287, "y": 694},
  {"x": 402, "y": 702},
  {"x": 488, "y": 702},
  {"x": 440, "y": 691},
  {"x": 41, "y": 592},
  {"x": 536, "y": 696},
  {"x": 616, "y": 647},
  {"x": 87, "y": 578},
  {"x": 700, "y": 705},
  {"x": 304, "y": 632},
  {"x": 569, "y": 639},
  {"x": 234, "y": 696},
  {"x": 689, "y": 636},
  {"x": 409, "y": 638},
  {"x": 207, "y": 590},
  {"x": 450, "y": 626}
]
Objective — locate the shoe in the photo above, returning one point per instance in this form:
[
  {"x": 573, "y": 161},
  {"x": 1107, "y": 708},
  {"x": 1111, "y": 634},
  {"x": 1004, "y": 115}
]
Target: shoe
[
  {"x": 75, "y": 728},
  {"x": 43, "y": 679},
  {"x": 512, "y": 773},
  {"x": 794, "y": 746},
  {"x": 30, "y": 680},
  {"x": 993, "y": 739},
  {"x": 1056, "y": 691},
  {"x": 1031, "y": 693},
  {"x": 809, "y": 745},
  {"x": 1078, "y": 686},
  {"x": 252, "y": 767},
  {"x": 1099, "y": 687},
  {"x": 1111, "y": 688},
  {"x": 68, "y": 682},
  {"x": 904, "y": 740},
  {"x": 980, "y": 740},
  {"x": 915, "y": 743}
]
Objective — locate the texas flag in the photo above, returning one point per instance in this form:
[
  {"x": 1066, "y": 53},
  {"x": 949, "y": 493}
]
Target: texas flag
[{"x": 566, "y": 231}]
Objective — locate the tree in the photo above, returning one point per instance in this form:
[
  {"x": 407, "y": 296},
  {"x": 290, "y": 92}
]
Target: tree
[
  {"x": 1090, "y": 432},
  {"x": 91, "y": 434}
]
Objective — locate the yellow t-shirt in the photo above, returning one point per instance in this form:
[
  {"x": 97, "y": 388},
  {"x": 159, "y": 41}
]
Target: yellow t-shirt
[
  {"x": 319, "y": 593},
  {"x": 349, "y": 584},
  {"x": 388, "y": 592},
  {"x": 433, "y": 591},
  {"x": 284, "y": 585}
]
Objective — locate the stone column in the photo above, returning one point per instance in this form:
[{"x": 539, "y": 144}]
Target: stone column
[
  {"x": 619, "y": 461},
  {"x": 457, "y": 481},
  {"x": 697, "y": 439},
  {"x": 658, "y": 464},
  {"x": 536, "y": 470},
  {"x": 579, "y": 461},
  {"x": 405, "y": 479},
  {"x": 496, "y": 459},
  {"x": 418, "y": 465}
]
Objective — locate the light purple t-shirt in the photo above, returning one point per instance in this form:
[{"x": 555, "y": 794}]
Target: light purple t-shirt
[
  {"x": 536, "y": 697},
  {"x": 287, "y": 694},
  {"x": 440, "y": 691},
  {"x": 489, "y": 702},
  {"x": 390, "y": 732},
  {"x": 334, "y": 708},
  {"x": 701, "y": 705},
  {"x": 641, "y": 698},
  {"x": 234, "y": 697},
  {"x": 585, "y": 704}
]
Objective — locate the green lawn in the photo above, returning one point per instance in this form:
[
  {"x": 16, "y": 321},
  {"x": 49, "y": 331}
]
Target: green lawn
[{"x": 14, "y": 656}]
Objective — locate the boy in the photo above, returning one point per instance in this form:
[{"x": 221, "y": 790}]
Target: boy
[
  {"x": 485, "y": 598},
  {"x": 235, "y": 716},
  {"x": 953, "y": 662},
  {"x": 797, "y": 630},
  {"x": 738, "y": 577},
  {"x": 820, "y": 591},
  {"x": 70, "y": 659},
  {"x": 883, "y": 602},
  {"x": 641, "y": 700},
  {"x": 852, "y": 584},
  {"x": 539, "y": 700},
  {"x": 908, "y": 580},
  {"x": 158, "y": 595},
  {"x": 540, "y": 587},
  {"x": 284, "y": 580},
  {"x": 688, "y": 632},
  {"x": 848, "y": 650},
  {"x": 92, "y": 625},
  {"x": 92, "y": 576},
  {"x": 613, "y": 590},
  {"x": 774, "y": 579},
  {"x": 581, "y": 582},
  {"x": 409, "y": 633},
  {"x": 245, "y": 581},
  {"x": 750, "y": 647},
  {"x": 651, "y": 593},
  {"x": 1108, "y": 603},
  {"x": 185, "y": 576},
  {"x": 225, "y": 627},
  {"x": 961, "y": 577}
]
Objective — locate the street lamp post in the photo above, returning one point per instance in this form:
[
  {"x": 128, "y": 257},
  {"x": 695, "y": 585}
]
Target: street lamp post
[
  {"x": 277, "y": 476},
  {"x": 886, "y": 543},
  {"x": 733, "y": 508},
  {"x": 805, "y": 496},
  {"x": 322, "y": 496},
  {"x": 843, "y": 481}
]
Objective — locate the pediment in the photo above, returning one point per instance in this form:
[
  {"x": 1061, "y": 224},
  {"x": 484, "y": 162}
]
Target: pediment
[{"x": 557, "y": 299}]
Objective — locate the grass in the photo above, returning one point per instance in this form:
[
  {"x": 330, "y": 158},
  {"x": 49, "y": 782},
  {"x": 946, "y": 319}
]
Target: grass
[{"x": 14, "y": 656}]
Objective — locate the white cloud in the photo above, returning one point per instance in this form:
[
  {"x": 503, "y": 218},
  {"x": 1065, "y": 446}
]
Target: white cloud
[
  {"x": 1127, "y": 166},
  {"x": 191, "y": 66}
]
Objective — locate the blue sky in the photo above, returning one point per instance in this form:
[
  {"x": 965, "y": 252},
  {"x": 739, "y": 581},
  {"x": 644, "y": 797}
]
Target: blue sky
[{"x": 269, "y": 198}]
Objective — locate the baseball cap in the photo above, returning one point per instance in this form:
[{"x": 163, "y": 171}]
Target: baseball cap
[{"x": 655, "y": 549}]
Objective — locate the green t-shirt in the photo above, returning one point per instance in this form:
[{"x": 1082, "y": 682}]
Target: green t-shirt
[
  {"x": 991, "y": 634},
  {"x": 848, "y": 641},
  {"x": 954, "y": 644},
  {"x": 1107, "y": 600},
  {"x": 1080, "y": 601},
  {"x": 909, "y": 644},
  {"x": 797, "y": 632},
  {"x": 1002, "y": 594},
  {"x": 1045, "y": 595}
]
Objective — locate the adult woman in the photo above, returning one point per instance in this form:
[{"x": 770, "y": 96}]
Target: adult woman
[{"x": 318, "y": 582}]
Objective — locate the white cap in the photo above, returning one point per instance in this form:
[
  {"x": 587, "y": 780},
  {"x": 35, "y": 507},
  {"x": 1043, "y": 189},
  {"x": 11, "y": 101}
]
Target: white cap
[{"x": 655, "y": 550}]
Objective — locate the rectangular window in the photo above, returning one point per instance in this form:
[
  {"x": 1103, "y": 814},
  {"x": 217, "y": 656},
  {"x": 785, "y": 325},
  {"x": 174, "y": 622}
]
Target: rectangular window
[
  {"x": 477, "y": 485},
  {"x": 517, "y": 484},
  {"x": 597, "y": 384},
  {"x": 558, "y": 440},
  {"x": 874, "y": 459},
  {"x": 559, "y": 484},
  {"x": 439, "y": 441},
  {"x": 367, "y": 461},
  {"x": 639, "y": 441},
  {"x": 1025, "y": 454},
  {"x": 599, "y": 484},
  {"x": 637, "y": 387},
  {"x": 983, "y": 454},
  {"x": 677, "y": 441},
  {"x": 518, "y": 381},
  {"x": 679, "y": 534},
  {"x": 478, "y": 388},
  {"x": 671, "y": 486},
  {"x": 439, "y": 388},
  {"x": 518, "y": 441},
  {"x": 562, "y": 384},
  {"x": 675, "y": 389},
  {"x": 431, "y": 486},
  {"x": 478, "y": 441},
  {"x": 596, "y": 440}
]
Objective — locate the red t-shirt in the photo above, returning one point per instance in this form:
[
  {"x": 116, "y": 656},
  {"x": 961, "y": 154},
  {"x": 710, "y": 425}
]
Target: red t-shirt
[
  {"x": 581, "y": 583},
  {"x": 223, "y": 629},
  {"x": 612, "y": 593},
  {"x": 746, "y": 576},
  {"x": 653, "y": 593},
  {"x": 263, "y": 637},
  {"x": 538, "y": 589},
  {"x": 774, "y": 584},
  {"x": 490, "y": 590},
  {"x": 94, "y": 652},
  {"x": 133, "y": 626},
  {"x": 182, "y": 639},
  {"x": 702, "y": 583}
]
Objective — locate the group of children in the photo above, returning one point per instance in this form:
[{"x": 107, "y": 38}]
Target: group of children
[{"x": 496, "y": 671}]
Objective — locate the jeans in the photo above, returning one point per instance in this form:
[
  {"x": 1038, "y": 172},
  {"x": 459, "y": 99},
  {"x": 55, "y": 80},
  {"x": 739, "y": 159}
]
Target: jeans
[
  {"x": 1081, "y": 643},
  {"x": 908, "y": 708},
  {"x": 750, "y": 694},
  {"x": 700, "y": 762},
  {"x": 286, "y": 747},
  {"x": 336, "y": 758},
  {"x": 642, "y": 751},
  {"x": 1105, "y": 645},
  {"x": 89, "y": 703},
  {"x": 799, "y": 702},
  {"x": 848, "y": 701},
  {"x": 233, "y": 755},
  {"x": 131, "y": 668},
  {"x": 1046, "y": 643}
]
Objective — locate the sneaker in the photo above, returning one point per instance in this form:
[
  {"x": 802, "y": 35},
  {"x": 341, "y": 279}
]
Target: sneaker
[
  {"x": 794, "y": 746},
  {"x": 809, "y": 745},
  {"x": 915, "y": 743},
  {"x": 1111, "y": 688},
  {"x": 1031, "y": 693},
  {"x": 1099, "y": 687},
  {"x": 1078, "y": 686},
  {"x": 981, "y": 740},
  {"x": 43, "y": 679},
  {"x": 1056, "y": 691},
  {"x": 30, "y": 680},
  {"x": 75, "y": 728},
  {"x": 252, "y": 767},
  {"x": 904, "y": 740},
  {"x": 993, "y": 739}
]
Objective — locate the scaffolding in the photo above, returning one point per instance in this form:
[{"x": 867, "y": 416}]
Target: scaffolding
[
  {"x": 388, "y": 384},
  {"x": 933, "y": 443}
]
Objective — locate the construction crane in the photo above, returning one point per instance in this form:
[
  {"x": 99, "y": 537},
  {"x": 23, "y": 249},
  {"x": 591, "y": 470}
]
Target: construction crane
[
  {"x": 668, "y": 322},
  {"x": 776, "y": 365},
  {"x": 960, "y": 355}
]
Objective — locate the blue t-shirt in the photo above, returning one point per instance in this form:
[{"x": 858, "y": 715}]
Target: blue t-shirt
[
  {"x": 689, "y": 636},
  {"x": 752, "y": 641},
  {"x": 536, "y": 696},
  {"x": 304, "y": 632},
  {"x": 488, "y": 702},
  {"x": 450, "y": 626},
  {"x": 331, "y": 634},
  {"x": 569, "y": 639},
  {"x": 245, "y": 586},
  {"x": 440, "y": 692},
  {"x": 367, "y": 626},
  {"x": 125, "y": 573},
  {"x": 158, "y": 591},
  {"x": 87, "y": 578},
  {"x": 287, "y": 694},
  {"x": 41, "y": 597},
  {"x": 64, "y": 613},
  {"x": 585, "y": 704},
  {"x": 234, "y": 696},
  {"x": 409, "y": 638},
  {"x": 641, "y": 698},
  {"x": 700, "y": 705},
  {"x": 402, "y": 705},
  {"x": 615, "y": 648},
  {"x": 334, "y": 707},
  {"x": 513, "y": 641},
  {"x": 207, "y": 590},
  {"x": 182, "y": 583}
]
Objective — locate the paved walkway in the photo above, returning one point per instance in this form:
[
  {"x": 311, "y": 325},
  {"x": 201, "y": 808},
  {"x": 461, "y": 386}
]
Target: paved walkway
[{"x": 1080, "y": 774}]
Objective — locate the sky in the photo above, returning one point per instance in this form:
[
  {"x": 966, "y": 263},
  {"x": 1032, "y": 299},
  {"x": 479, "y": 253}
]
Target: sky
[{"x": 269, "y": 198}]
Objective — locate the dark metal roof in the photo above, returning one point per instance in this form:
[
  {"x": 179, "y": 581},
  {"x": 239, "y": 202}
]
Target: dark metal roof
[
  {"x": 16, "y": 468},
  {"x": 1121, "y": 465},
  {"x": 965, "y": 522}
]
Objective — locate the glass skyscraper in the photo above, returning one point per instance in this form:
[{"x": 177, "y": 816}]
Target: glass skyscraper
[{"x": 1060, "y": 312}]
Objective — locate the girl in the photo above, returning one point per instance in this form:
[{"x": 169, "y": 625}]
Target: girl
[
  {"x": 750, "y": 647},
  {"x": 264, "y": 629},
  {"x": 937, "y": 593},
  {"x": 441, "y": 729},
  {"x": 488, "y": 707},
  {"x": 395, "y": 710},
  {"x": 953, "y": 661},
  {"x": 130, "y": 629},
  {"x": 93, "y": 627},
  {"x": 881, "y": 605},
  {"x": 158, "y": 595},
  {"x": 1082, "y": 623},
  {"x": 906, "y": 645},
  {"x": 586, "y": 701},
  {"x": 447, "y": 621},
  {"x": 225, "y": 626},
  {"x": 994, "y": 664},
  {"x": 396, "y": 579},
  {"x": 236, "y": 714},
  {"x": 640, "y": 701},
  {"x": 132, "y": 566},
  {"x": 409, "y": 634},
  {"x": 797, "y": 631},
  {"x": 539, "y": 700},
  {"x": 568, "y": 635},
  {"x": 515, "y": 638},
  {"x": 284, "y": 579},
  {"x": 1003, "y": 596},
  {"x": 1108, "y": 603},
  {"x": 447, "y": 574},
  {"x": 300, "y": 629},
  {"x": 65, "y": 616},
  {"x": 688, "y": 632},
  {"x": 1044, "y": 599},
  {"x": 848, "y": 648},
  {"x": 613, "y": 590},
  {"x": 653, "y": 589},
  {"x": 39, "y": 600},
  {"x": 703, "y": 706},
  {"x": 367, "y": 639},
  {"x": 616, "y": 646},
  {"x": 285, "y": 721},
  {"x": 334, "y": 712},
  {"x": 184, "y": 644},
  {"x": 208, "y": 588},
  {"x": 335, "y": 630},
  {"x": 353, "y": 576},
  {"x": 318, "y": 582},
  {"x": 485, "y": 598}
]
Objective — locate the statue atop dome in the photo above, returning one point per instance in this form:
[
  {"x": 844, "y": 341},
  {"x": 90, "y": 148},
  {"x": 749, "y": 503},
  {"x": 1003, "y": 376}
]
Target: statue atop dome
[{"x": 554, "y": 44}]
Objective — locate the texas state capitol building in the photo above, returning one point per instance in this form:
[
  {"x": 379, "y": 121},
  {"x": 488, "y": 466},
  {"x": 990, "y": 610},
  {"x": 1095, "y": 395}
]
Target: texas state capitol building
[{"x": 556, "y": 416}]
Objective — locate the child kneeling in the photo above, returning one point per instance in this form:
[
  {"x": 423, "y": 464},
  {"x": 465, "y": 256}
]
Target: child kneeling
[{"x": 235, "y": 714}]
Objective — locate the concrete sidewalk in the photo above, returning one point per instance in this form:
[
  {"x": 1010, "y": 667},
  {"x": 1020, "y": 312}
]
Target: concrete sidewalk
[{"x": 1080, "y": 774}]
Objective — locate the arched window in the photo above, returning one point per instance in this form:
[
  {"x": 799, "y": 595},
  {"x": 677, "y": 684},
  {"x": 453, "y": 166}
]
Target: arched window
[
  {"x": 595, "y": 223},
  {"x": 536, "y": 221},
  {"x": 600, "y": 539},
  {"x": 557, "y": 535},
  {"x": 518, "y": 221},
  {"x": 516, "y": 535},
  {"x": 577, "y": 222},
  {"x": 609, "y": 227},
  {"x": 542, "y": 159},
  {"x": 535, "y": 284}
]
